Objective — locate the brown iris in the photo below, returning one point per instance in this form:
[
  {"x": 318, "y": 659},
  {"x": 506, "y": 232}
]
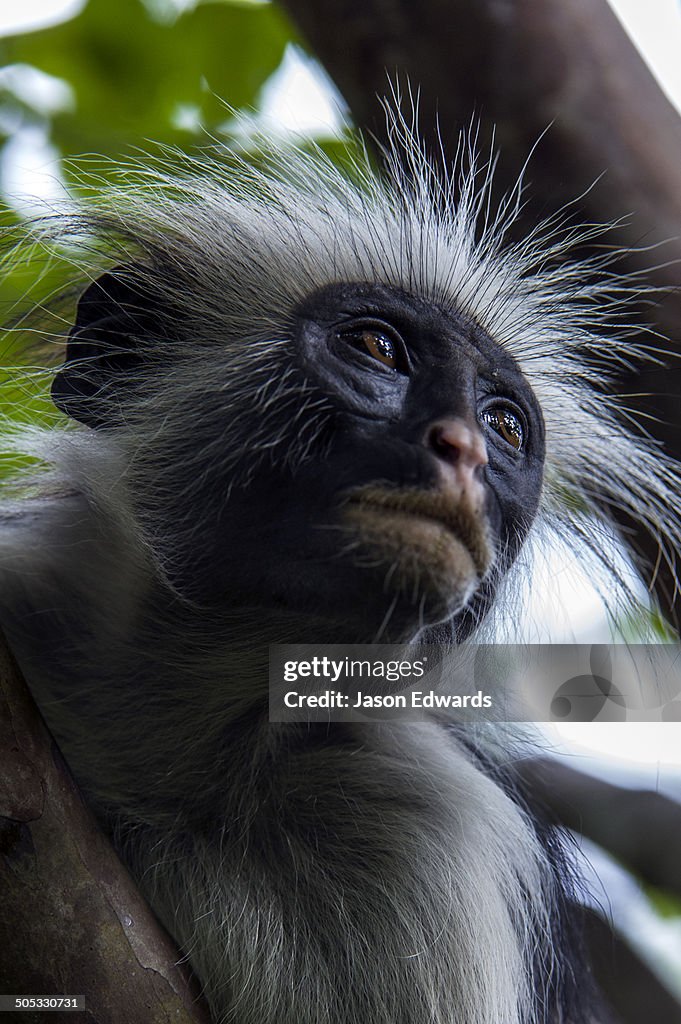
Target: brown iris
[
  {"x": 506, "y": 424},
  {"x": 379, "y": 347}
]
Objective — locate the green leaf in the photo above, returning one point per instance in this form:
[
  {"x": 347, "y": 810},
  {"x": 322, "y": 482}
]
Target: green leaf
[{"x": 131, "y": 73}]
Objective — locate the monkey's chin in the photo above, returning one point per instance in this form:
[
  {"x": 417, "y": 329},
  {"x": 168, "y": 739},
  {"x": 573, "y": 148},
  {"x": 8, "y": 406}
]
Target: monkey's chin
[{"x": 428, "y": 550}]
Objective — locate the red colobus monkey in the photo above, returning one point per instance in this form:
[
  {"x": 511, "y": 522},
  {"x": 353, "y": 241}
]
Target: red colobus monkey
[{"x": 312, "y": 408}]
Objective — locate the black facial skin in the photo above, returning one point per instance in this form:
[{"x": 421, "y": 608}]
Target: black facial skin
[
  {"x": 285, "y": 542},
  {"x": 447, "y": 367}
]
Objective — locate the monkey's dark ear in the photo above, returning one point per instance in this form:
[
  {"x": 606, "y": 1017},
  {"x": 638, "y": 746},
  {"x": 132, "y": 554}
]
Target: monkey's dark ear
[{"x": 105, "y": 348}]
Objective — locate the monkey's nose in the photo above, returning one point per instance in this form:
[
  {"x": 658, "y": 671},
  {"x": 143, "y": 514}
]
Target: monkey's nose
[{"x": 461, "y": 452}]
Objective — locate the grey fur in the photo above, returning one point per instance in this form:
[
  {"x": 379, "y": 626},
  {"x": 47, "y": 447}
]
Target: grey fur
[{"x": 384, "y": 876}]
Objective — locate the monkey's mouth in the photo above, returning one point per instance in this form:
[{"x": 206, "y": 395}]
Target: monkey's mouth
[{"x": 426, "y": 520}]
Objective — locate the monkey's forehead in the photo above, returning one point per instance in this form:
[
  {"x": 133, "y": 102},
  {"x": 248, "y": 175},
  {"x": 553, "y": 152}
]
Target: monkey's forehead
[
  {"x": 418, "y": 318},
  {"x": 238, "y": 253}
]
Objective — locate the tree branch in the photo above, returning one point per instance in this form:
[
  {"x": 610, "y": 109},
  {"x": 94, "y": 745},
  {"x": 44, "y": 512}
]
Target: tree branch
[
  {"x": 72, "y": 921},
  {"x": 640, "y": 828}
]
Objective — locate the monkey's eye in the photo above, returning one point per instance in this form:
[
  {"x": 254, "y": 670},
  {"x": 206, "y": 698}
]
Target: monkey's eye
[
  {"x": 377, "y": 343},
  {"x": 380, "y": 347},
  {"x": 505, "y": 422}
]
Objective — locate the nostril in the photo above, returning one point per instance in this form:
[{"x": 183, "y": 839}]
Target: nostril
[
  {"x": 443, "y": 446},
  {"x": 457, "y": 444}
]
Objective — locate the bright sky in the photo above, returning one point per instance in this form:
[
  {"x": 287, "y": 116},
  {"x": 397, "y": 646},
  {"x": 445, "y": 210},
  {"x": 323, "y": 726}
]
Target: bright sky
[
  {"x": 655, "y": 27},
  {"x": 299, "y": 98},
  {"x": 22, "y": 17}
]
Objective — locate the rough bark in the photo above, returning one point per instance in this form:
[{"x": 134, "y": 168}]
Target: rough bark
[{"x": 72, "y": 921}]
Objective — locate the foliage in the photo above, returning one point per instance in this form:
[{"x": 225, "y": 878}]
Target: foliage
[
  {"x": 132, "y": 73},
  {"x": 119, "y": 74}
]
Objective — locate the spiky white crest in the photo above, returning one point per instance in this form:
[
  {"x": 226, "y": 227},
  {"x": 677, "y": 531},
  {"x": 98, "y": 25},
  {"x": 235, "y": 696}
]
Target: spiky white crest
[{"x": 233, "y": 247}]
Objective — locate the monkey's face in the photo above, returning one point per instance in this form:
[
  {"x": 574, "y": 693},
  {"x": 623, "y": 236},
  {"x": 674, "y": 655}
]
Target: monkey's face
[
  {"x": 384, "y": 482},
  {"x": 399, "y": 485},
  {"x": 433, "y": 470}
]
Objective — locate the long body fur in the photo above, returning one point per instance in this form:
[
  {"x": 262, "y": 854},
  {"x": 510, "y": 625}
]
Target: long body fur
[{"x": 387, "y": 873}]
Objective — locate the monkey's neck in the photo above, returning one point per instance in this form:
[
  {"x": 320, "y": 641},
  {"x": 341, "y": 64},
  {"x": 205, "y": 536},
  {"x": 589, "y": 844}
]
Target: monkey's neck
[
  {"x": 110, "y": 652},
  {"x": 113, "y": 657}
]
